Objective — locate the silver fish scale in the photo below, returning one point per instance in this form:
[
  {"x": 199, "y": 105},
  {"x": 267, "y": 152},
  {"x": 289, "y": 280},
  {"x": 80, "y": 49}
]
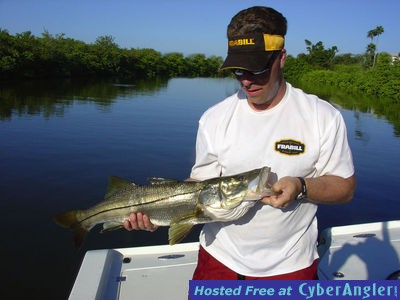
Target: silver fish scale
[{"x": 161, "y": 202}]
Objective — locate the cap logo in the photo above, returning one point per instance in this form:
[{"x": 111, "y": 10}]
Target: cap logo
[
  {"x": 266, "y": 42},
  {"x": 241, "y": 42}
]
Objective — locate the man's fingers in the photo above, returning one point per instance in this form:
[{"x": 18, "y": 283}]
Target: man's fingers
[
  {"x": 275, "y": 201},
  {"x": 139, "y": 221},
  {"x": 147, "y": 224},
  {"x": 127, "y": 225}
]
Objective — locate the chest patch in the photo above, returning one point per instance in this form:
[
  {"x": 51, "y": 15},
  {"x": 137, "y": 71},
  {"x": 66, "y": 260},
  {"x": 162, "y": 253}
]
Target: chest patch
[{"x": 290, "y": 147}]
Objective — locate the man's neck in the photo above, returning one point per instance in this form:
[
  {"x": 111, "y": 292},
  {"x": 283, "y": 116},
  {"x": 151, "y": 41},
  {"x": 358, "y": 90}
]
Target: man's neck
[{"x": 273, "y": 102}]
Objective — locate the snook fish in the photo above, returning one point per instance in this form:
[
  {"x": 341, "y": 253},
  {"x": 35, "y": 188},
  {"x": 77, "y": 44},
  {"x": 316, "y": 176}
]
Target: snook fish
[{"x": 168, "y": 202}]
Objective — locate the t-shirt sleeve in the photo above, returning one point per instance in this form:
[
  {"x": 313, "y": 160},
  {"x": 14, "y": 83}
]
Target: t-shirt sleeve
[
  {"x": 206, "y": 165},
  {"x": 335, "y": 154}
]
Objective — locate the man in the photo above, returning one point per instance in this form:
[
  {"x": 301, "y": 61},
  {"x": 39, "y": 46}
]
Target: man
[{"x": 268, "y": 123}]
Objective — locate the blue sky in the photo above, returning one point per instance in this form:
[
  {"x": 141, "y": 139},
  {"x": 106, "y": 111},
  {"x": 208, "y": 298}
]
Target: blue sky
[{"x": 199, "y": 26}]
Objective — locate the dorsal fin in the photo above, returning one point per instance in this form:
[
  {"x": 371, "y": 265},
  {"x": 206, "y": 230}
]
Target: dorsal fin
[
  {"x": 116, "y": 183},
  {"x": 160, "y": 180}
]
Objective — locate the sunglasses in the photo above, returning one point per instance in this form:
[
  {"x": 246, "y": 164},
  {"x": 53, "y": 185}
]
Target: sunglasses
[{"x": 241, "y": 72}]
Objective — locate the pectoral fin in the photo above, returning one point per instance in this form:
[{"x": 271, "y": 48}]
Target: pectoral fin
[
  {"x": 180, "y": 227},
  {"x": 110, "y": 226},
  {"x": 177, "y": 232}
]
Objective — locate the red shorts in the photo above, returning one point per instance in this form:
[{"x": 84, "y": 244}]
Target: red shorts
[{"x": 208, "y": 268}]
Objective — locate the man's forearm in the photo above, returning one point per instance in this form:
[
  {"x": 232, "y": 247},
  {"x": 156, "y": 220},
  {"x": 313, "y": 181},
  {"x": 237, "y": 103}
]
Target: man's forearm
[{"x": 329, "y": 189}]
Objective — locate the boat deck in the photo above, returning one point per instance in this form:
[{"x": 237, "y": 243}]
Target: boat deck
[
  {"x": 360, "y": 252},
  {"x": 365, "y": 251},
  {"x": 153, "y": 272}
]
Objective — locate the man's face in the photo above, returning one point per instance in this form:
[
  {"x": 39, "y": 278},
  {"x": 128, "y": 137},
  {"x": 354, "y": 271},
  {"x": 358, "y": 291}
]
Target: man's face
[{"x": 262, "y": 90}]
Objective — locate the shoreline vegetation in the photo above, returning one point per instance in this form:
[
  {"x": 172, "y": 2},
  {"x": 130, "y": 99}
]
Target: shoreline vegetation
[{"x": 24, "y": 56}]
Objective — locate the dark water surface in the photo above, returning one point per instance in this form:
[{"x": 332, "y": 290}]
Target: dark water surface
[{"x": 60, "y": 140}]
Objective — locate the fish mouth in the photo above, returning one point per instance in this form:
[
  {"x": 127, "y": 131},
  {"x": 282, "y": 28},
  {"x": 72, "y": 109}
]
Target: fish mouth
[{"x": 259, "y": 186}]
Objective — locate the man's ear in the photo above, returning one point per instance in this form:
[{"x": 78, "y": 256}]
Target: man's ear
[{"x": 282, "y": 58}]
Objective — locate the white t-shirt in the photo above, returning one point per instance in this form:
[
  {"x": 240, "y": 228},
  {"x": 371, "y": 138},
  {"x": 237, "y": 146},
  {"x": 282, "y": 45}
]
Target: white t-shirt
[{"x": 301, "y": 136}]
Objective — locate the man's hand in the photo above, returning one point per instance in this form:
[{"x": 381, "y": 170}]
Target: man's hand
[
  {"x": 326, "y": 189},
  {"x": 139, "y": 221},
  {"x": 286, "y": 189}
]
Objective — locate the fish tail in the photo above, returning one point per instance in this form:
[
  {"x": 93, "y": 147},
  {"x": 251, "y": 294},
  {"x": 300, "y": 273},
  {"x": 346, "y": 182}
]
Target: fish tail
[
  {"x": 79, "y": 235},
  {"x": 69, "y": 220}
]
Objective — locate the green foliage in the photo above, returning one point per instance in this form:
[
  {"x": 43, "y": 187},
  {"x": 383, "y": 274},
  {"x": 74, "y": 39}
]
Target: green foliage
[
  {"x": 295, "y": 68},
  {"x": 347, "y": 72},
  {"x": 176, "y": 63},
  {"x": 26, "y": 56},
  {"x": 382, "y": 81},
  {"x": 318, "y": 56},
  {"x": 348, "y": 59}
]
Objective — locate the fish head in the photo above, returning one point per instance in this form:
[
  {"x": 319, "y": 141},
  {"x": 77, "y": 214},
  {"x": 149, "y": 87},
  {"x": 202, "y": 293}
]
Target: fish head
[
  {"x": 252, "y": 185},
  {"x": 222, "y": 200},
  {"x": 229, "y": 191},
  {"x": 230, "y": 197},
  {"x": 222, "y": 193}
]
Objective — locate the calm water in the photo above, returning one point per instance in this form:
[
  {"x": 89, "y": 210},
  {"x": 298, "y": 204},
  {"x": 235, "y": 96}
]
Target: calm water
[{"x": 60, "y": 140}]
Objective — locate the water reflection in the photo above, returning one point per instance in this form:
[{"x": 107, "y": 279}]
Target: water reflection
[
  {"x": 360, "y": 133},
  {"x": 386, "y": 108},
  {"x": 53, "y": 97}
]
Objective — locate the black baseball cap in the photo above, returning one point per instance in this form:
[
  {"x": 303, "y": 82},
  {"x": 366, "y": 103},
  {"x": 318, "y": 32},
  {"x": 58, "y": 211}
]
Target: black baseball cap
[{"x": 252, "y": 52}]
